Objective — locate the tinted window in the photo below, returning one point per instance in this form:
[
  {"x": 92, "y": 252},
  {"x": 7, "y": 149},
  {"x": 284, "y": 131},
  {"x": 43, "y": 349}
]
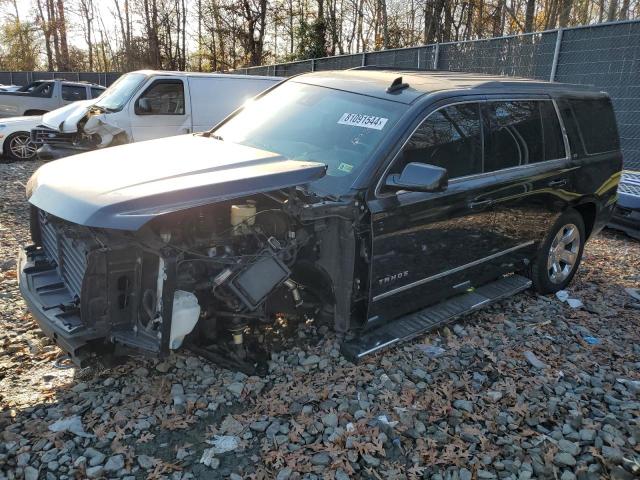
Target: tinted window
[
  {"x": 164, "y": 97},
  {"x": 553, "y": 139},
  {"x": 514, "y": 135},
  {"x": 520, "y": 133},
  {"x": 448, "y": 138},
  {"x": 96, "y": 92},
  {"x": 73, "y": 93},
  {"x": 41, "y": 89},
  {"x": 597, "y": 124}
]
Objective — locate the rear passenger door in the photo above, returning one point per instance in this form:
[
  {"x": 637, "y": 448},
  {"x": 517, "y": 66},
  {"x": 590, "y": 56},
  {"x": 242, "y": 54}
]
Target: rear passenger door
[{"x": 526, "y": 152}]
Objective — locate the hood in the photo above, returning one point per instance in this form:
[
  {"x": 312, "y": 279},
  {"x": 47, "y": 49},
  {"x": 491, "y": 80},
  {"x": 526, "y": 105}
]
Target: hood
[
  {"x": 66, "y": 119},
  {"x": 124, "y": 187}
]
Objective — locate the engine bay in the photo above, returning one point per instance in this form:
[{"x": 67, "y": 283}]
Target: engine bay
[{"x": 215, "y": 279}]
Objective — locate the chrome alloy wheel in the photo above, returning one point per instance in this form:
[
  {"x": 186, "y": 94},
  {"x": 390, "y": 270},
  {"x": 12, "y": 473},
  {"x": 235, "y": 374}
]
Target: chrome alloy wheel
[
  {"x": 22, "y": 147},
  {"x": 563, "y": 253}
]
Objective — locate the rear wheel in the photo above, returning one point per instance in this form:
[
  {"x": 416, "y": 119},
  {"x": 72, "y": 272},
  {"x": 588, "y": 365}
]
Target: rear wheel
[
  {"x": 18, "y": 146},
  {"x": 560, "y": 254}
]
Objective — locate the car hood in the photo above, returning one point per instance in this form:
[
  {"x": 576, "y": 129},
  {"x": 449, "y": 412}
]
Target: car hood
[
  {"x": 124, "y": 187},
  {"x": 65, "y": 119}
]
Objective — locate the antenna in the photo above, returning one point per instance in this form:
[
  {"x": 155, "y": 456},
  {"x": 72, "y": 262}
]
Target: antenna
[{"x": 397, "y": 85}]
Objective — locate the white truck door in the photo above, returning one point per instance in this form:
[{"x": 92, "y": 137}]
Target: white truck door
[{"x": 162, "y": 109}]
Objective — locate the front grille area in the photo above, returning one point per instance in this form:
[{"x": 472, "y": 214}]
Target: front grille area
[
  {"x": 42, "y": 134},
  {"x": 69, "y": 255}
]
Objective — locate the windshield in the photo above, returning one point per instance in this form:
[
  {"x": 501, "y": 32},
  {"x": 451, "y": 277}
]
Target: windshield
[
  {"x": 114, "y": 97},
  {"x": 308, "y": 122}
]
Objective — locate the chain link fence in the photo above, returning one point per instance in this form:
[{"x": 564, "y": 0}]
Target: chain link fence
[{"x": 605, "y": 55}]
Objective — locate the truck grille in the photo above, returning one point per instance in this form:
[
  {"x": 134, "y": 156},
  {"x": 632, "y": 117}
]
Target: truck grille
[
  {"x": 69, "y": 255},
  {"x": 42, "y": 134}
]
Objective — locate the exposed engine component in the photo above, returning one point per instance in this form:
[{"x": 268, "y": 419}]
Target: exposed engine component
[{"x": 184, "y": 317}]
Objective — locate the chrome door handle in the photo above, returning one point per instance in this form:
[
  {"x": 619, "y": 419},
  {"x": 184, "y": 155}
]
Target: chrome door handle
[
  {"x": 480, "y": 203},
  {"x": 557, "y": 183}
]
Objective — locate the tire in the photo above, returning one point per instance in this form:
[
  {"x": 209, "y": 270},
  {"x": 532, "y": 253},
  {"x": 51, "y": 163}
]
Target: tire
[
  {"x": 18, "y": 147},
  {"x": 559, "y": 255}
]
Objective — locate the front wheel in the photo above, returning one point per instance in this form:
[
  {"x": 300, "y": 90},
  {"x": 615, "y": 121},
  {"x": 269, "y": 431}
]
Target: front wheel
[
  {"x": 18, "y": 146},
  {"x": 559, "y": 255}
]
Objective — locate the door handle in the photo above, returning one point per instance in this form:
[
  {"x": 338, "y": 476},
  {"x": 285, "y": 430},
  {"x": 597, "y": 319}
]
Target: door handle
[
  {"x": 480, "y": 203},
  {"x": 557, "y": 183}
]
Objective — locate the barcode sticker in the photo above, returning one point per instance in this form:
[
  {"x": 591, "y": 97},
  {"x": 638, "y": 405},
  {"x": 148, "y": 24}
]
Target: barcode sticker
[{"x": 364, "y": 121}]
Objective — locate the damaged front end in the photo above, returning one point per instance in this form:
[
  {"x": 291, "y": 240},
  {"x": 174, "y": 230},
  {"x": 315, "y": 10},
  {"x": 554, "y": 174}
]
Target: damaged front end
[
  {"x": 216, "y": 275},
  {"x": 82, "y": 129}
]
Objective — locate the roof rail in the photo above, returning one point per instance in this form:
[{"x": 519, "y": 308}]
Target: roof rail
[{"x": 393, "y": 69}]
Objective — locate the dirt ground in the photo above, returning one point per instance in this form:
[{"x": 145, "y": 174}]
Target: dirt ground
[{"x": 527, "y": 388}]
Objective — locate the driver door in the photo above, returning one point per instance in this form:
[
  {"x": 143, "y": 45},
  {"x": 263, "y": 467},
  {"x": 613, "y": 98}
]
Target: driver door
[
  {"x": 162, "y": 109},
  {"x": 427, "y": 246}
]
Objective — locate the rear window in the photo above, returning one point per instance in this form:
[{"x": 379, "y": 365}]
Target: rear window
[{"x": 596, "y": 124}]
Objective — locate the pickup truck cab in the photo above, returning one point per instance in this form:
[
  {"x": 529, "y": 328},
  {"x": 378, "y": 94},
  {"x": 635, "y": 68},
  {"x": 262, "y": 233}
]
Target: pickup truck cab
[
  {"x": 387, "y": 203},
  {"x": 145, "y": 105},
  {"x": 43, "y": 96}
]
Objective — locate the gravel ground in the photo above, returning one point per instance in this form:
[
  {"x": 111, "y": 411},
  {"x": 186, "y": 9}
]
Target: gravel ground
[{"x": 529, "y": 388}]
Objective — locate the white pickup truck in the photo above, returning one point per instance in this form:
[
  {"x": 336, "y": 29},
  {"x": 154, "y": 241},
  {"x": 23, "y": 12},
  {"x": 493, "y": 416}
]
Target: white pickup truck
[{"x": 43, "y": 96}]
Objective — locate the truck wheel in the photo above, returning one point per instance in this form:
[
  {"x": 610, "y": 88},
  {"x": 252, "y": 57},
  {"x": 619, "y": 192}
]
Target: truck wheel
[
  {"x": 18, "y": 146},
  {"x": 559, "y": 255}
]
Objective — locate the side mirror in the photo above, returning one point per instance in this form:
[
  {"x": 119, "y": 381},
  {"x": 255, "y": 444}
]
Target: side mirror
[
  {"x": 419, "y": 177},
  {"x": 143, "y": 105}
]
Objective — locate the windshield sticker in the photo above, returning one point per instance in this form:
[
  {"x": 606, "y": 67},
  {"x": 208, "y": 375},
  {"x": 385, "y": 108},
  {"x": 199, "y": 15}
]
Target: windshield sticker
[
  {"x": 345, "y": 167},
  {"x": 364, "y": 121}
]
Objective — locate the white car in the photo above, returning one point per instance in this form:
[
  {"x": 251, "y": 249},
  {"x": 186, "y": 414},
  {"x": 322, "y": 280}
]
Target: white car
[{"x": 15, "y": 137}]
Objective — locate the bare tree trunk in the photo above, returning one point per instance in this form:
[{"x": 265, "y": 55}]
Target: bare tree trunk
[
  {"x": 46, "y": 32},
  {"x": 62, "y": 31},
  {"x": 624, "y": 11},
  {"x": 385, "y": 24},
  {"x": 565, "y": 13},
  {"x": 529, "y": 15},
  {"x": 613, "y": 10}
]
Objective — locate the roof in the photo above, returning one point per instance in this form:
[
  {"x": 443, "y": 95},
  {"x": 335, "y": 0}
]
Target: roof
[
  {"x": 374, "y": 82},
  {"x": 207, "y": 74}
]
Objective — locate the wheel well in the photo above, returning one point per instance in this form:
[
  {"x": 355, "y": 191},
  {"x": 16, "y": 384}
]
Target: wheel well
[
  {"x": 28, "y": 113},
  {"x": 588, "y": 213}
]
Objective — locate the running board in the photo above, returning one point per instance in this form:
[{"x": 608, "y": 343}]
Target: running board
[{"x": 435, "y": 316}]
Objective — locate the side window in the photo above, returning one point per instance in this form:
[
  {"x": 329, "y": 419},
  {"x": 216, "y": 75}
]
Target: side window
[
  {"x": 596, "y": 124},
  {"x": 514, "y": 135},
  {"x": 72, "y": 93},
  {"x": 163, "y": 97},
  {"x": 553, "y": 139},
  {"x": 449, "y": 138},
  {"x": 96, "y": 92},
  {"x": 44, "y": 90}
]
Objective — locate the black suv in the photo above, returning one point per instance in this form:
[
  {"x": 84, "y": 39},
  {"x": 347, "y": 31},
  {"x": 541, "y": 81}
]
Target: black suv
[{"x": 388, "y": 202}]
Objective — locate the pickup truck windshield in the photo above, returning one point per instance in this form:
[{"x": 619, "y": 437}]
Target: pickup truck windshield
[
  {"x": 114, "y": 97},
  {"x": 308, "y": 122}
]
